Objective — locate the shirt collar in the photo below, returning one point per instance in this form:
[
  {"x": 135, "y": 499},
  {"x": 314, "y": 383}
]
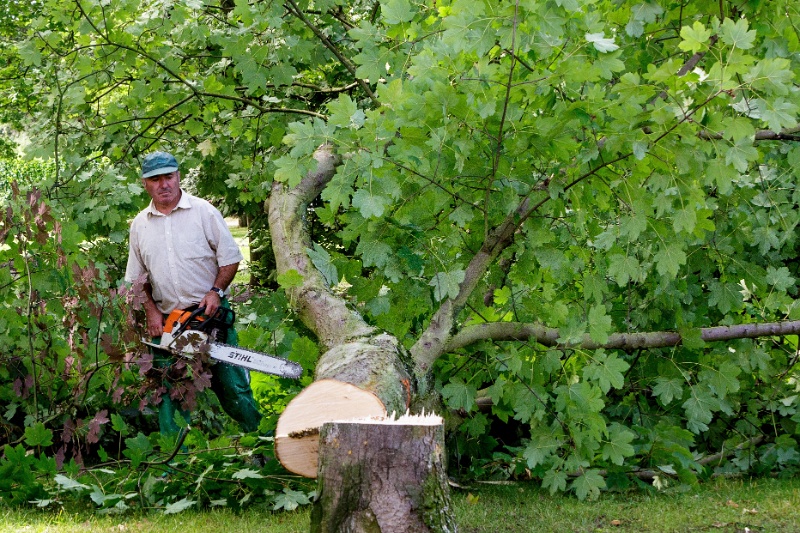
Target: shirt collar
[{"x": 183, "y": 203}]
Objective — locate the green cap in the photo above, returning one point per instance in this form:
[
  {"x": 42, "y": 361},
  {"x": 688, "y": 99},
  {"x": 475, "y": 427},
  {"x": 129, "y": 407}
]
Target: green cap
[{"x": 157, "y": 163}]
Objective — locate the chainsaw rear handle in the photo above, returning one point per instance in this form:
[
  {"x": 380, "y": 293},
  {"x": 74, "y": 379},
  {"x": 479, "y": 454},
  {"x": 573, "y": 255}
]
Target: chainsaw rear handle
[
  {"x": 184, "y": 324},
  {"x": 223, "y": 318}
]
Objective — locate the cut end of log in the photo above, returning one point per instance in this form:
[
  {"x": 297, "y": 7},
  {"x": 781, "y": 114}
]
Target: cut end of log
[{"x": 326, "y": 400}]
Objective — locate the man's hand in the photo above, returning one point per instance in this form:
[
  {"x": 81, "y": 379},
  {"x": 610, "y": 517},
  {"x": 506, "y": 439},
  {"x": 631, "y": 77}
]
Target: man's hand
[
  {"x": 155, "y": 320},
  {"x": 211, "y": 301}
]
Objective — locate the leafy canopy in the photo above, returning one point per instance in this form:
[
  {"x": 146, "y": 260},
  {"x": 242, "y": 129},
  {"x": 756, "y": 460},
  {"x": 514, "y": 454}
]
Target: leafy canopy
[{"x": 621, "y": 166}]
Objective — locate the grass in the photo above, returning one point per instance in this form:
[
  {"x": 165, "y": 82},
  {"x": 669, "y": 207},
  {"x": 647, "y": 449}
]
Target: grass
[
  {"x": 726, "y": 506},
  {"x": 764, "y": 505}
]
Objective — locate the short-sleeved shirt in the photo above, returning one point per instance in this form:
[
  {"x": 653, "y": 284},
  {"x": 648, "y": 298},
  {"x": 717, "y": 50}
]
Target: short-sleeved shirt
[{"x": 180, "y": 252}]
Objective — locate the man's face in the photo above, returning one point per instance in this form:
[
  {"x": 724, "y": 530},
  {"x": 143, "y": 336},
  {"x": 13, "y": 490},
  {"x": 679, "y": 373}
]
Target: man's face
[{"x": 164, "y": 189}]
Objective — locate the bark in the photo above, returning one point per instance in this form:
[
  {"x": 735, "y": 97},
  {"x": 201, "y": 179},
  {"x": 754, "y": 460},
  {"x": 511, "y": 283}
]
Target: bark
[{"x": 383, "y": 476}]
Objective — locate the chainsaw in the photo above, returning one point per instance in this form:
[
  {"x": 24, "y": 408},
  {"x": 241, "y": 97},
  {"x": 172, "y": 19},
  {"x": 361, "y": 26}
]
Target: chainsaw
[{"x": 191, "y": 332}]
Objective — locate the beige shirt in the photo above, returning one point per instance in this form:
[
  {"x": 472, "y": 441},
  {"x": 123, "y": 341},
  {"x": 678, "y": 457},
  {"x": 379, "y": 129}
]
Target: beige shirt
[{"x": 180, "y": 252}]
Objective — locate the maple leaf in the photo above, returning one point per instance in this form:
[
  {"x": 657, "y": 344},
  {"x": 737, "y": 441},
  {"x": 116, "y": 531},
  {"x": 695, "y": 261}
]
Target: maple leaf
[{"x": 94, "y": 426}]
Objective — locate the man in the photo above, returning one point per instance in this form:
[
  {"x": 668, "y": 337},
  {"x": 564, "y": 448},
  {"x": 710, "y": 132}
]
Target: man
[{"x": 185, "y": 248}]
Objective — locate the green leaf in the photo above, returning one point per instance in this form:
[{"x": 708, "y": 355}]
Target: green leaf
[
  {"x": 344, "y": 113},
  {"x": 289, "y": 500},
  {"x": 694, "y": 38},
  {"x": 304, "y": 351},
  {"x": 668, "y": 389},
  {"x": 119, "y": 425},
  {"x": 476, "y": 426},
  {"x": 289, "y": 170},
  {"x": 623, "y": 269},
  {"x": 736, "y": 34},
  {"x": 669, "y": 260},
  {"x": 524, "y": 402},
  {"x": 773, "y": 76},
  {"x": 447, "y": 284},
  {"x": 340, "y": 188},
  {"x": 282, "y": 74},
  {"x": 618, "y": 446},
  {"x": 179, "y": 506},
  {"x": 372, "y": 63},
  {"x": 740, "y": 154},
  {"x": 583, "y": 395},
  {"x": 67, "y": 483},
  {"x": 684, "y": 220},
  {"x": 608, "y": 370},
  {"x": 322, "y": 261},
  {"x": 459, "y": 395},
  {"x": 780, "y": 278},
  {"x": 738, "y": 129},
  {"x": 588, "y": 485},
  {"x": 779, "y": 114},
  {"x": 290, "y": 279},
  {"x": 599, "y": 324},
  {"x": 463, "y": 27},
  {"x": 396, "y": 11},
  {"x": 540, "y": 448},
  {"x": 601, "y": 43},
  {"x": 374, "y": 253},
  {"x": 646, "y": 12},
  {"x": 723, "y": 379},
  {"x": 247, "y": 473},
  {"x": 369, "y": 204},
  {"x": 699, "y": 409},
  {"x": 555, "y": 480},
  {"x": 137, "y": 448},
  {"x": 38, "y": 435},
  {"x": 725, "y": 296},
  {"x": 303, "y": 138}
]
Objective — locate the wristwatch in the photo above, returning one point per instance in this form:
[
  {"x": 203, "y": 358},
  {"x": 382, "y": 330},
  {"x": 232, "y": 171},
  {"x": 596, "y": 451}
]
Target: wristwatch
[{"x": 219, "y": 291}]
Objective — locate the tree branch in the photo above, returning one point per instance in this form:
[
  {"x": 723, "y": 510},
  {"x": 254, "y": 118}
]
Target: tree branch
[
  {"x": 790, "y": 134},
  {"x": 295, "y": 10},
  {"x": 326, "y": 314},
  {"x": 433, "y": 340},
  {"x": 508, "y": 331}
]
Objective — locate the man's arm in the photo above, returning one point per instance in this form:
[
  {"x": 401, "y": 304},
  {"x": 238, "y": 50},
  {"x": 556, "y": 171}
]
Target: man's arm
[
  {"x": 154, "y": 317},
  {"x": 225, "y": 276}
]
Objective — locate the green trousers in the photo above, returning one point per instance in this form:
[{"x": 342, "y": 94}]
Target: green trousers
[{"x": 230, "y": 383}]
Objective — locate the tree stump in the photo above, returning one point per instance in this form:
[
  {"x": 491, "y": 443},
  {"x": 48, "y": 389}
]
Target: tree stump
[{"x": 382, "y": 476}]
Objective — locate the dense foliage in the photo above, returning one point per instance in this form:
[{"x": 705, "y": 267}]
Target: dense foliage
[
  {"x": 76, "y": 385},
  {"x": 639, "y": 158}
]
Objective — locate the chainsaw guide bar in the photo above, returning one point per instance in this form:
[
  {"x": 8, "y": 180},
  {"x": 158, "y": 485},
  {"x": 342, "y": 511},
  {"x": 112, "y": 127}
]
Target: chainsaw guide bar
[{"x": 183, "y": 338}]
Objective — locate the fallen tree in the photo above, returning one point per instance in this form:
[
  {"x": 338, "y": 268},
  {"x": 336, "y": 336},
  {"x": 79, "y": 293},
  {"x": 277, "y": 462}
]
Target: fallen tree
[
  {"x": 586, "y": 212},
  {"x": 366, "y": 372}
]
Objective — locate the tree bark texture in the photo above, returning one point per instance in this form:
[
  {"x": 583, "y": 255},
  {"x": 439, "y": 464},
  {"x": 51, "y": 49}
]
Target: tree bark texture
[{"x": 382, "y": 477}]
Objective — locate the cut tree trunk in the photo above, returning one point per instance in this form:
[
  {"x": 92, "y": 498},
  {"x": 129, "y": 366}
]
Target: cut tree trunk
[
  {"x": 297, "y": 434},
  {"x": 383, "y": 476},
  {"x": 364, "y": 378}
]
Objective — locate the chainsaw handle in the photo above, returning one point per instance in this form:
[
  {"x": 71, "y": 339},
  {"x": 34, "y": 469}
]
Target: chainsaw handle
[{"x": 185, "y": 323}]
